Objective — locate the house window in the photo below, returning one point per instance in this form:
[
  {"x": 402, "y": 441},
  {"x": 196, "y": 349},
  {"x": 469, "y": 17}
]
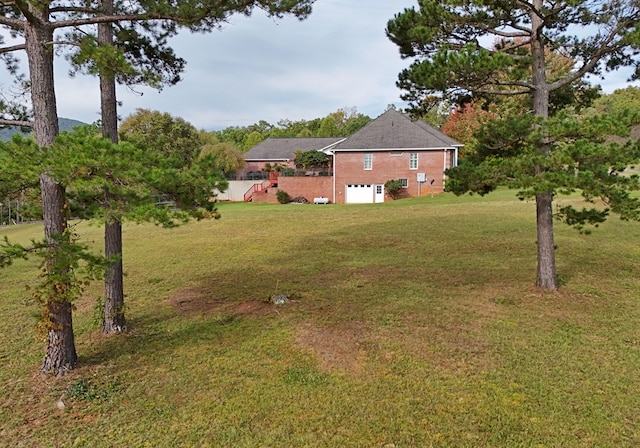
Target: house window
[
  {"x": 405, "y": 183},
  {"x": 368, "y": 161},
  {"x": 413, "y": 161}
]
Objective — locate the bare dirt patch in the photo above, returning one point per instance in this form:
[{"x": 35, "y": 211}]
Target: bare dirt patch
[
  {"x": 339, "y": 347},
  {"x": 198, "y": 300}
]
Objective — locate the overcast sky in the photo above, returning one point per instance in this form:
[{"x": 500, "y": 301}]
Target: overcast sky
[{"x": 258, "y": 68}]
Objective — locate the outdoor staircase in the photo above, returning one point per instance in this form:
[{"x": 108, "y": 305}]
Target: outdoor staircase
[{"x": 262, "y": 186}]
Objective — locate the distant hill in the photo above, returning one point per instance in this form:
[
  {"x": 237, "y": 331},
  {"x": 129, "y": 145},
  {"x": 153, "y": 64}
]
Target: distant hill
[{"x": 66, "y": 124}]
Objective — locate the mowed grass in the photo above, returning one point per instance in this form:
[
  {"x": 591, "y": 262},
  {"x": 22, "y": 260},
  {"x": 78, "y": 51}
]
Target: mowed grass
[{"x": 413, "y": 323}]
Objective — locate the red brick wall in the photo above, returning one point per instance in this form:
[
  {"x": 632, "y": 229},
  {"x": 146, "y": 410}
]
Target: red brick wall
[
  {"x": 310, "y": 187},
  {"x": 350, "y": 170},
  {"x": 388, "y": 165},
  {"x": 269, "y": 196}
]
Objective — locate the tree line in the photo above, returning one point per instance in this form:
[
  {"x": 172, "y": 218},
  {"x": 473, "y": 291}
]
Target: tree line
[{"x": 341, "y": 123}]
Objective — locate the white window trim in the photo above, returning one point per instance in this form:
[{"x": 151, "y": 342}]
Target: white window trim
[
  {"x": 369, "y": 156},
  {"x": 411, "y": 160}
]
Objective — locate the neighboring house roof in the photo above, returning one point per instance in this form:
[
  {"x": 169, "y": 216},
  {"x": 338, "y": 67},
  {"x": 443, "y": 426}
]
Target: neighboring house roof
[
  {"x": 395, "y": 130},
  {"x": 285, "y": 148}
]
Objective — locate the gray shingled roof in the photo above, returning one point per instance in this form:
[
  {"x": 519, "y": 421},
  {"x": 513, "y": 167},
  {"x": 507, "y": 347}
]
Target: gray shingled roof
[
  {"x": 285, "y": 148},
  {"x": 393, "y": 130}
]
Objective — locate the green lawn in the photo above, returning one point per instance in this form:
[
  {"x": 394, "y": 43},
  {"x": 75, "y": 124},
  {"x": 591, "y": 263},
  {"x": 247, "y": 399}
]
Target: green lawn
[{"x": 414, "y": 323}]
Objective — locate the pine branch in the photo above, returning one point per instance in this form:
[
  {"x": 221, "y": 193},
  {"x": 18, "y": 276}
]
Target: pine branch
[
  {"x": 12, "y": 48},
  {"x": 21, "y": 123}
]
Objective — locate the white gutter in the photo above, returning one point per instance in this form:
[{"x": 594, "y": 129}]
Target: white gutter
[
  {"x": 327, "y": 149},
  {"x": 433, "y": 148},
  {"x": 444, "y": 167}
]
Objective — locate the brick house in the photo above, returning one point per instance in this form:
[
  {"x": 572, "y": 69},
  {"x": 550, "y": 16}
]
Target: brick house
[{"x": 393, "y": 146}]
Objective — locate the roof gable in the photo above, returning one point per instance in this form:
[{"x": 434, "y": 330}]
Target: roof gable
[
  {"x": 285, "y": 148},
  {"x": 394, "y": 130}
]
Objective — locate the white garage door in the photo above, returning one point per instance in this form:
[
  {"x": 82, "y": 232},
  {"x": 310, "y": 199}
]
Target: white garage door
[{"x": 359, "y": 194}]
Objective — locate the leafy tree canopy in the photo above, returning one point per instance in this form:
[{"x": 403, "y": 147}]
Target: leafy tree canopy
[
  {"x": 619, "y": 100},
  {"x": 464, "y": 122},
  {"x": 227, "y": 157},
  {"x": 159, "y": 131},
  {"x": 341, "y": 123},
  {"x": 311, "y": 159}
]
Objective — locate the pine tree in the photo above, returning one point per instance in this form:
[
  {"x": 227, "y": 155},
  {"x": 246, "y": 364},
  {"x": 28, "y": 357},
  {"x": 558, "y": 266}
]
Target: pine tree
[
  {"x": 446, "y": 39},
  {"x": 36, "y": 22}
]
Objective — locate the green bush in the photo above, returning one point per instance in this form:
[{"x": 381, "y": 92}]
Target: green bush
[
  {"x": 283, "y": 197},
  {"x": 393, "y": 188}
]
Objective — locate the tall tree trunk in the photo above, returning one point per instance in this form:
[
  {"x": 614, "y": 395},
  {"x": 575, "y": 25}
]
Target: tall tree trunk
[
  {"x": 61, "y": 352},
  {"x": 547, "y": 277},
  {"x": 114, "y": 319},
  {"x": 38, "y": 41},
  {"x": 61, "y": 349}
]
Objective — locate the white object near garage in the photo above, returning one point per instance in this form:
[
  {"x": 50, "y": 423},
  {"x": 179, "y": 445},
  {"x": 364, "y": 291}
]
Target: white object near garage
[{"x": 364, "y": 193}]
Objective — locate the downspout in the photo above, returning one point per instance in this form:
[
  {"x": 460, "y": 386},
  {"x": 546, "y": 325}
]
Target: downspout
[
  {"x": 444, "y": 166},
  {"x": 333, "y": 154}
]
